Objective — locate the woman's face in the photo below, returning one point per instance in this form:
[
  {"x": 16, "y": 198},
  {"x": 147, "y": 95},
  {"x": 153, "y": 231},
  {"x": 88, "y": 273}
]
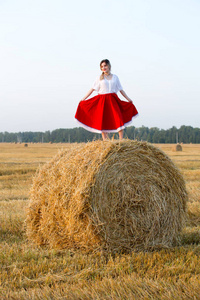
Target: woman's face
[{"x": 105, "y": 68}]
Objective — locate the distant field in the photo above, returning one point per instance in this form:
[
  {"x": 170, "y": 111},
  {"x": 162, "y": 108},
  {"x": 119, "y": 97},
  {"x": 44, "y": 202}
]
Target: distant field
[{"x": 28, "y": 272}]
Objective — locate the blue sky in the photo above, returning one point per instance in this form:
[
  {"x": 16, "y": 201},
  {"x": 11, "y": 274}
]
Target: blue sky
[{"x": 50, "y": 53}]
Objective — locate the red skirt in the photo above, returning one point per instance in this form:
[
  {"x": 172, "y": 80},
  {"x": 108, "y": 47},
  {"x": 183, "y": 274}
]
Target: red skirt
[{"x": 105, "y": 113}]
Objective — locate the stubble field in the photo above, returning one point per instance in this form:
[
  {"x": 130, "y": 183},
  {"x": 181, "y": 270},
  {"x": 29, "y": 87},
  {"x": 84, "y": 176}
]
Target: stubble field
[{"x": 30, "y": 272}]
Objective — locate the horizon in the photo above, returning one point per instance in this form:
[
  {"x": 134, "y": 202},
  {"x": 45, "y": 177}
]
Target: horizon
[{"x": 143, "y": 126}]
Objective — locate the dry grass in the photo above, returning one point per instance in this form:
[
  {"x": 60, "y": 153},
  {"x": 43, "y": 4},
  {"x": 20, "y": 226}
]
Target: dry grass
[
  {"x": 51, "y": 274},
  {"x": 28, "y": 272}
]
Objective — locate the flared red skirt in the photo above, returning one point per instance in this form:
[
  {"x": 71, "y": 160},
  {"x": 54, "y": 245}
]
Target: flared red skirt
[{"x": 105, "y": 113}]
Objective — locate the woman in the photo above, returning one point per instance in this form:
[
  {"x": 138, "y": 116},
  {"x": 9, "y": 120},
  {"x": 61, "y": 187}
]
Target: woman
[{"x": 106, "y": 112}]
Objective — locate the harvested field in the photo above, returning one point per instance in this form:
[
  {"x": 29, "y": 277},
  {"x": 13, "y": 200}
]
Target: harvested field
[{"x": 30, "y": 272}]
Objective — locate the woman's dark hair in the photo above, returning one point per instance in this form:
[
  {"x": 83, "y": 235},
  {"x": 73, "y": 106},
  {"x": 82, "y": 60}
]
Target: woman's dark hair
[{"x": 107, "y": 62}]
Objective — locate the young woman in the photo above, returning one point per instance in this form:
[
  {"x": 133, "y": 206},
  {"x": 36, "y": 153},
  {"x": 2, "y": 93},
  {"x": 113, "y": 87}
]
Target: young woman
[{"x": 105, "y": 112}]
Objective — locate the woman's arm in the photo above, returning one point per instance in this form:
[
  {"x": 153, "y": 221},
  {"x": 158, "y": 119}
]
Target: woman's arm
[
  {"x": 125, "y": 96},
  {"x": 88, "y": 94}
]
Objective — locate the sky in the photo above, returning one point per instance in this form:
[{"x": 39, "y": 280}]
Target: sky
[{"x": 50, "y": 52}]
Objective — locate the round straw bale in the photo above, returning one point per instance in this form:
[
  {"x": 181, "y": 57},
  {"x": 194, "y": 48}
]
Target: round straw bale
[
  {"x": 107, "y": 195},
  {"x": 25, "y": 145},
  {"x": 177, "y": 147}
]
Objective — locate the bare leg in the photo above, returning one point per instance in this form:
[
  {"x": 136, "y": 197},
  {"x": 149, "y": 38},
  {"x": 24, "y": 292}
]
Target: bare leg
[
  {"x": 105, "y": 136},
  {"x": 121, "y": 133}
]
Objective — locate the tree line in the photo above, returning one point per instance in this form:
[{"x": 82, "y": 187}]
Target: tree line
[{"x": 185, "y": 134}]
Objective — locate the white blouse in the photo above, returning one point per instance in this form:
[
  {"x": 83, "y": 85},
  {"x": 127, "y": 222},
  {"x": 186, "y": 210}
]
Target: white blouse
[{"x": 106, "y": 86}]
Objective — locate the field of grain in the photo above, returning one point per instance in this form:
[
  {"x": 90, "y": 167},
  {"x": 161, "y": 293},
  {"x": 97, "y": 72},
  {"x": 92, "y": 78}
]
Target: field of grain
[{"x": 29, "y": 272}]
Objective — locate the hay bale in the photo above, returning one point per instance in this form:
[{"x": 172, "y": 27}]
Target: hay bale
[
  {"x": 177, "y": 147},
  {"x": 107, "y": 195},
  {"x": 25, "y": 145}
]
